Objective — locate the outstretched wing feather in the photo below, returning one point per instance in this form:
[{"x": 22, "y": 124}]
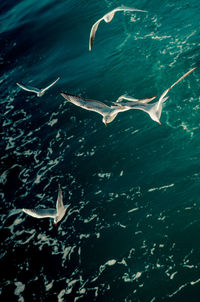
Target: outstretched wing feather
[
  {"x": 59, "y": 203},
  {"x": 93, "y": 32},
  {"x": 40, "y": 213},
  {"x": 167, "y": 90},
  {"x": 29, "y": 88},
  {"x": 91, "y": 105},
  {"x": 131, "y": 99},
  {"x": 51, "y": 84}
]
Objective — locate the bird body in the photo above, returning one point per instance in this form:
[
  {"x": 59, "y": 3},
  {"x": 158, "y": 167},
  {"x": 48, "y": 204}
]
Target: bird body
[
  {"x": 154, "y": 110},
  {"x": 57, "y": 214},
  {"x": 39, "y": 92},
  {"x": 107, "y": 18},
  {"x": 108, "y": 113}
]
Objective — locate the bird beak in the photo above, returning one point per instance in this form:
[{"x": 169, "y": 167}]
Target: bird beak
[
  {"x": 159, "y": 122},
  {"x": 105, "y": 124}
]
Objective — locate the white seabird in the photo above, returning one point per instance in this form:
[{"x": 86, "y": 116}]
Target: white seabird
[
  {"x": 108, "y": 113},
  {"x": 107, "y": 18},
  {"x": 57, "y": 214},
  {"x": 154, "y": 110},
  {"x": 39, "y": 92}
]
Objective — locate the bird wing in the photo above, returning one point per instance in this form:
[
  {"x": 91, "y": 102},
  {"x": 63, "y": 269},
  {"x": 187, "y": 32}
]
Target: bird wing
[
  {"x": 150, "y": 109},
  {"x": 107, "y": 18},
  {"x": 29, "y": 88},
  {"x": 132, "y": 105},
  {"x": 118, "y": 108},
  {"x": 129, "y": 98},
  {"x": 91, "y": 105},
  {"x": 185, "y": 75},
  {"x": 40, "y": 213},
  {"x": 110, "y": 15},
  {"x": 93, "y": 32},
  {"x": 59, "y": 203},
  {"x": 167, "y": 90},
  {"x": 126, "y": 8},
  {"x": 43, "y": 90}
]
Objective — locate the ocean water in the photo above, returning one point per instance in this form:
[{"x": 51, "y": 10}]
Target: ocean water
[{"x": 131, "y": 232}]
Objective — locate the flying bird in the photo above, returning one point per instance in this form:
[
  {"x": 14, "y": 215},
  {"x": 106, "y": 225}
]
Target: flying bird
[
  {"x": 107, "y": 18},
  {"x": 57, "y": 214},
  {"x": 108, "y": 113},
  {"x": 39, "y": 92},
  {"x": 154, "y": 110}
]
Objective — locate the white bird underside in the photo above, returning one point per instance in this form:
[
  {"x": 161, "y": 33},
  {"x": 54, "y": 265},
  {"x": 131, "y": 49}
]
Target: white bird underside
[
  {"x": 39, "y": 92},
  {"x": 59, "y": 202},
  {"x": 29, "y": 88},
  {"x": 57, "y": 214},
  {"x": 108, "y": 113},
  {"x": 107, "y": 18},
  {"x": 44, "y": 89},
  {"x": 155, "y": 109},
  {"x": 41, "y": 213},
  {"x": 91, "y": 105}
]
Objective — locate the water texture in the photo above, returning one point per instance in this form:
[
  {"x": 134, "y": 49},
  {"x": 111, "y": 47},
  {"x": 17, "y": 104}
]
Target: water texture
[{"x": 131, "y": 232}]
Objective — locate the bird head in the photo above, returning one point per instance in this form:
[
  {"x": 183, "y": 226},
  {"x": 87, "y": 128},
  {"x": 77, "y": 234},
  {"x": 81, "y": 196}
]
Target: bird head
[
  {"x": 105, "y": 120},
  {"x": 156, "y": 119},
  {"x": 39, "y": 94},
  {"x": 56, "y": 220},
  {"x": 108, "y": 118},
  {"x": 108, "y": 17},
  {"x": 59, "y": 216}
]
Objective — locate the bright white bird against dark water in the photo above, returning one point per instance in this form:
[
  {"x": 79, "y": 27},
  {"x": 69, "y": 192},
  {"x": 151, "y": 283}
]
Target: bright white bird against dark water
[
  {"x": 39, "y": 92},
  {"x": 108, "y": 113},
  {"x": 107, "y": 18},
  {"x": 57, "y": 214},
  {"x": 154, "y": 110}
]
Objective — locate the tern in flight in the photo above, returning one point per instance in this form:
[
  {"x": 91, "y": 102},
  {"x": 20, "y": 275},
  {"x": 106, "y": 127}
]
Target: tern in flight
[
  {"x": 108, "y": 113},
  {"x": 57, "y": 214},
  {"x": 155, "y": 109},
  {"x": 107, "y": 18},
  {"x": 39, "y": 92}
]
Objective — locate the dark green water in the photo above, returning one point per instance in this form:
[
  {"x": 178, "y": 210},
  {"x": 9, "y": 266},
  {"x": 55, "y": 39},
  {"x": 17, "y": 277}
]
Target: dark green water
[{"x": 131, "y": 232}]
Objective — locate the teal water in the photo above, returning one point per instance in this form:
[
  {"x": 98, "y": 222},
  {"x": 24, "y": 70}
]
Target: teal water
[{"x": 132, "y": 229}]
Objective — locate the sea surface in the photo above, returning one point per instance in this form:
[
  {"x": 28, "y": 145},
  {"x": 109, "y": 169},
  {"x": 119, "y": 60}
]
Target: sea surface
[{"x": 132, "y": 228}]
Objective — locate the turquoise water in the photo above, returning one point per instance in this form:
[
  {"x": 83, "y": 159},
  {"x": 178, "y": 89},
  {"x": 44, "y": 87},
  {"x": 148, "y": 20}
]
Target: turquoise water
[{"x": 131, "y": 232}]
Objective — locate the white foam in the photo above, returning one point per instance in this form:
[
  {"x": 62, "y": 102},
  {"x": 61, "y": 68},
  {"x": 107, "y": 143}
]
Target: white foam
[
  {"x": 161, "y": 188},
  {"x": 82, "y": 291},
  {"x": 61, "y": 296},
  {"x": 178, "y": 290},
  {"x": 138, "y": 275},
  {"x": 122, "y": 226},
  {"x": 194, "y": 282},
  {"x": 52, "y": 122},
  {"x": 19, "y": 289},
  {"x": 111, "y": 262},
  {"x": 172, "y": 275},
  {"x": 49, "y": 285},
  {"x": 123, "y": 262},
  {"x": 133, "y": 210},
  {"x": 104, "y": 175},
  {"x": 3, "y": 177}
]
